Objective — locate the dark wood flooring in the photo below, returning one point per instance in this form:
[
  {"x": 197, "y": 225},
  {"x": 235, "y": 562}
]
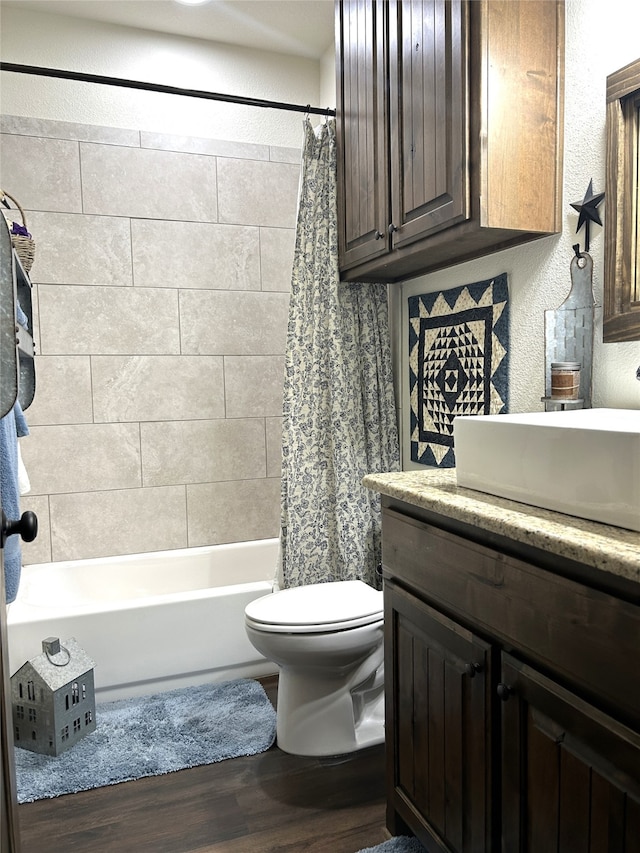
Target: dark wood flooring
[{"x": 258, "y": 804}]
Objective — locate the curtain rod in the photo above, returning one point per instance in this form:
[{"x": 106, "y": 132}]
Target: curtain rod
[{"x": 161, "y": 87}]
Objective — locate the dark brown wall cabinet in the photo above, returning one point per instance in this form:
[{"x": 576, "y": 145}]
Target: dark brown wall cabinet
[
  {"x": 513, "y": 699},
  {"x": 449, "y": 129}
]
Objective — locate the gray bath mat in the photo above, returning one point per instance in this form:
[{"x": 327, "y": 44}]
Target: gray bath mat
[
  {"x": 399, "y": 844},
  {"x": 154, "y": 735}
]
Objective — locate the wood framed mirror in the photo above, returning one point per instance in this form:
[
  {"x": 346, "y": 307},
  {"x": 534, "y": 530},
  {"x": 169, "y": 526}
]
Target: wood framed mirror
[{"x": 622, "y": 222}]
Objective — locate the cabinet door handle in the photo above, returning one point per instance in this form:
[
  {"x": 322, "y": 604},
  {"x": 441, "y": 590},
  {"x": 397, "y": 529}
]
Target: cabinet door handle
[
  {"x": 378, "y": 235},
  {"x": 471, "y": 669},
  {"x": 393, "y": 228},
  {"x": 504, "y": 691}
]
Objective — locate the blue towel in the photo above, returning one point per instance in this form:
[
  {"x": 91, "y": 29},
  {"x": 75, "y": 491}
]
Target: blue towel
[
  {"x": 22, "y": 317},
  {"x": 21, "y": 422},
  {"x": 11, "y": 426}
]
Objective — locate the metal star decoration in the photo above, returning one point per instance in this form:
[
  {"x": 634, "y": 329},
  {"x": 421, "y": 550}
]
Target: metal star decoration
[{"x": 588, "y": 212}]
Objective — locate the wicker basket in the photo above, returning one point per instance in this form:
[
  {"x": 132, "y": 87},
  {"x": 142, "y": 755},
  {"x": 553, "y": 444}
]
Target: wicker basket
[{"x": 25, "y": 247}]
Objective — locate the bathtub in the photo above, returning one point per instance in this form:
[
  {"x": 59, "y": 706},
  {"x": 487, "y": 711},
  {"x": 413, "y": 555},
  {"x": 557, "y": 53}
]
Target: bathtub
[{"x": 151, "y": 622}]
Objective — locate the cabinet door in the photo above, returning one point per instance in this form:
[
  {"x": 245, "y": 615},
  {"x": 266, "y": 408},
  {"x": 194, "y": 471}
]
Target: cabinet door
[
  {"x": 571, "y": 774},
  {"x": 428, "y": 97},
  {"x": 437, "y": 725},
  {"x": 362, "y": 154}
]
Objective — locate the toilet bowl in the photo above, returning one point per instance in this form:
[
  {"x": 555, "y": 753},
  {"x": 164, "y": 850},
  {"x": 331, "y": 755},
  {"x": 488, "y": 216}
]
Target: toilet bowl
[{"x": 327, "y": 640}]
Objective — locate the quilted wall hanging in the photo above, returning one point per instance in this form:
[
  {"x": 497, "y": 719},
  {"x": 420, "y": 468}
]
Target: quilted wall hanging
[{"x": 458, "y": 363}]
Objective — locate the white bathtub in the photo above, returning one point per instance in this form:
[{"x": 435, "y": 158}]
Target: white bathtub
[{"x": 151, "y": 622}]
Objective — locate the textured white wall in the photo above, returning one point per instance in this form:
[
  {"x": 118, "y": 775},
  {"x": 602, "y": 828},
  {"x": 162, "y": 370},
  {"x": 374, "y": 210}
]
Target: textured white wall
[
  {"x": 54, "y": 41},
  {"x": 600, "y": 38}
]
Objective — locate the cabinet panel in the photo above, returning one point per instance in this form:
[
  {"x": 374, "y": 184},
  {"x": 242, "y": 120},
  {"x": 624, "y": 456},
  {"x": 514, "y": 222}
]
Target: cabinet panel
[
  {"x": 437, "y": 723},
  {"x": 521, "y": 164},
  {"x": 362, "y": 154},
  {"x": 428, "y": 116},
  {"x": 571, "y": 774}
]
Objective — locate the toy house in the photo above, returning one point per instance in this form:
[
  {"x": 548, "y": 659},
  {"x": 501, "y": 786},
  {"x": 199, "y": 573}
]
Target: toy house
[{"x": 53, "y": 698}]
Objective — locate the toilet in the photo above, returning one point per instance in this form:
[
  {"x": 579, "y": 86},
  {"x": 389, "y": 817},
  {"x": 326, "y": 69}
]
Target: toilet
[{"x": 327, "y": 640}]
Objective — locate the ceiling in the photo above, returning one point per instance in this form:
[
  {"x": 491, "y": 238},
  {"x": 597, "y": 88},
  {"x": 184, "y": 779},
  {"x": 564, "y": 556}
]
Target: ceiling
[{"x": 298, "y": 27}]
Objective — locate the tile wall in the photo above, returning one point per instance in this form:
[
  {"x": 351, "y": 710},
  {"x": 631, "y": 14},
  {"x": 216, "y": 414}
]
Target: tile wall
[{"x": 161, "y": 287}]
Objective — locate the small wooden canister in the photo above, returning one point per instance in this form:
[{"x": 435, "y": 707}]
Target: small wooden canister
[{"x": 565, "y": 380}]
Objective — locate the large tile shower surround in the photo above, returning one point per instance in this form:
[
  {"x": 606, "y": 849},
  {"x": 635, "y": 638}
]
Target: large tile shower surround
[{"x": 161, "y": 287}]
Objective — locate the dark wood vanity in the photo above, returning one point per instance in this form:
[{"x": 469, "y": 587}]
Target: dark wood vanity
[{"x": 513, "y": 683}]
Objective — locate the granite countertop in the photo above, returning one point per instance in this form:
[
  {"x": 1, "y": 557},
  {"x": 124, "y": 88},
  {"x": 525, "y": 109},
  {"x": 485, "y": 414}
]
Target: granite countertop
[{"x": 601, "y": 546}]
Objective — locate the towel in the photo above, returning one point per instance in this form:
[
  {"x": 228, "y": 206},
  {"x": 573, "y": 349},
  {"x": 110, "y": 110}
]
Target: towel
[
  {"x": 21, "y": 317},
  {"x": 11, "y": 426},
  {"x": 21, "y": 422}
]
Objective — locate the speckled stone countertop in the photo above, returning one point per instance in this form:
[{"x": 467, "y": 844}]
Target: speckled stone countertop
[{"x": 601, "y": 546}]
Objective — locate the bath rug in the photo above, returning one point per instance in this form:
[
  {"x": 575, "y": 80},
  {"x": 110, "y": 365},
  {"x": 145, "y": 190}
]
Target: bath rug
[
  {"x": 458, "y": 363},
  {"x": 398, "y": 844},
  {"x": 153, "y": 735}
]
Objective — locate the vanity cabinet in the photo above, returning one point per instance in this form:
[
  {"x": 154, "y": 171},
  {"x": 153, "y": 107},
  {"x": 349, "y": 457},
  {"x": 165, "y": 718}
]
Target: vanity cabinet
[
  {"x": 449, "y": 131},
  {"x": 570, "y": 773},
  {"x": 513, "y": 695},
  {"x": 438, "y": 702}
]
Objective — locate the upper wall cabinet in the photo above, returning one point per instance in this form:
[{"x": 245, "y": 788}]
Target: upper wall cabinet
[{"x": 449, "y": 129}]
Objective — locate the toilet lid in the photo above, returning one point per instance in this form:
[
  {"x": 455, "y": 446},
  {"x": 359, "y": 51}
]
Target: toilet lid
[{"x": 334, "y": 606}]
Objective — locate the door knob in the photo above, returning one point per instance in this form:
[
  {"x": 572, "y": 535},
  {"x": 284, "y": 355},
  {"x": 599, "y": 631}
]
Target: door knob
[
  {"x": 504, "y": 691},
  {"x": 393, "y": 228},
  {"x": 471, "y": 669},
  {"x": 26, "y": 527}
]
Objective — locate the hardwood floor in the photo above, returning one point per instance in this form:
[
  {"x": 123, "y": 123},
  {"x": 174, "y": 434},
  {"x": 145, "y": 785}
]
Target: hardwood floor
[{"x": 258, "y": 804}]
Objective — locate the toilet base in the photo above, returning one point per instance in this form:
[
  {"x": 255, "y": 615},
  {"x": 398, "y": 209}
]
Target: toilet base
[{"x": 320, "y": 717}]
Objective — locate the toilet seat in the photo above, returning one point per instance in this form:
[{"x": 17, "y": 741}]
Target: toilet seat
[{"x": 316, "y": 608}]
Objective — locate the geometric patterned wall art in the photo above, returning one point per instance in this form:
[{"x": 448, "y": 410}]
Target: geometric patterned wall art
[{"x": 458, "y": 363}]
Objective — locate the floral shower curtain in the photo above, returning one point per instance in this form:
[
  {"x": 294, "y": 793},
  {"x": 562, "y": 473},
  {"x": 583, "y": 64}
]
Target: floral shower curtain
[{"x": 339, "y": 412}]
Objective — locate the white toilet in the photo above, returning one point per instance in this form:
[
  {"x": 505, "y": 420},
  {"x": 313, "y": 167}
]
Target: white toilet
[{"x": 327, "y": 639}]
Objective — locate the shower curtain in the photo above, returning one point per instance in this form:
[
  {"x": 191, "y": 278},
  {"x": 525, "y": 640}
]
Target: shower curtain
[{"x": 339, "y": 419}]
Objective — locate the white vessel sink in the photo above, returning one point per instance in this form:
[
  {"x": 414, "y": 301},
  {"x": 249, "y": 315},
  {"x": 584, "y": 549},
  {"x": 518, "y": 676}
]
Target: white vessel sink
[{"x": 584, "y": 462}]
